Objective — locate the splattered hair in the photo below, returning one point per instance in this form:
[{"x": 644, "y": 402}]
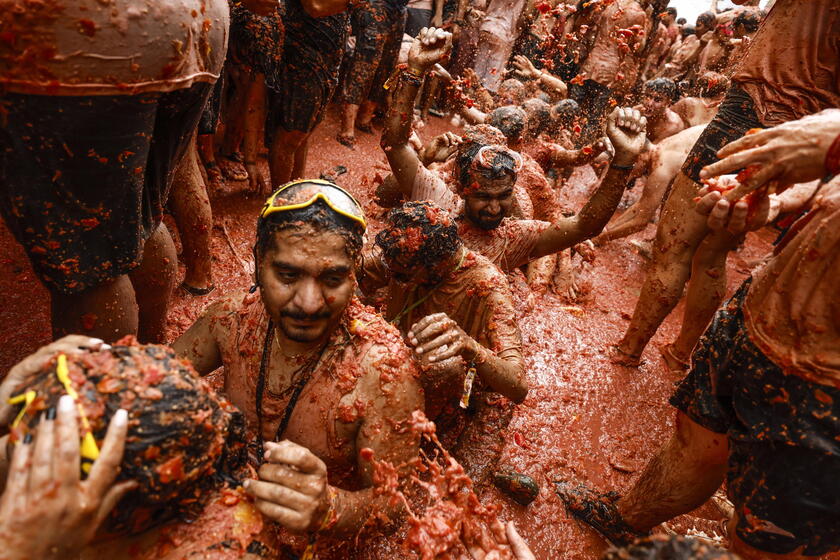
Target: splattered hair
[
  {"x": 539, "y": 115},
  {"x": 318, "y": 215},
  {"x": 418, "y": 233},
  {"x": 750, "y": 19},
  {"x": 708, "y": 19},
  {"x": 183, "y": 441},
  {"x": 665, "y": 86},
  {"x": 510, "y": 119}
]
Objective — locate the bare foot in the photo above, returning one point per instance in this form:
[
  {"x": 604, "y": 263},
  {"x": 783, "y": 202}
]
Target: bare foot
[
  {"x": 232, "y": 167},
  {"x": 674, "y": 362},
  {"x": 346, "y": 140},
  {"x": 619, "y": 357}
]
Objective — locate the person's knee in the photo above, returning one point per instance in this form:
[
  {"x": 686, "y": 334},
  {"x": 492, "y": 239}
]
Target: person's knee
[{"x": 706, "y": 447}]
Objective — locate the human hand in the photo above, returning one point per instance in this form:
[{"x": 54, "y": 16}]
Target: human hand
[
  {"x": 626, "y": 130},
  {"x": 502, "y": 538},
  {"x": 442, "y": 73},
  {"x": 437, "y": 20},
  {"x": 524, "y": 68},
  {"x": 442, "y": 147},
  {"x": 47, "y": 511},
  {"x": 793, "y": 152},
  {"x": 292, "y": 488},
  {"x": 31, "y": 365},
  {"x": 261, "y": 7},
  {"x": 436, "y": 337},
  {"x": 429, "y": 47},
  {"x": 737, "y": 217}
]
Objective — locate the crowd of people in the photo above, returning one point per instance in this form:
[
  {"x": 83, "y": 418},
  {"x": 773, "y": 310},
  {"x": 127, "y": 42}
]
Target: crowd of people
[{"x": 369, "y": 356}]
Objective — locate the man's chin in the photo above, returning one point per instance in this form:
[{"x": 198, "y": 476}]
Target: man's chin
[
  {"x": 299, "y": 334},
  {"x": 488, "y": 224}
]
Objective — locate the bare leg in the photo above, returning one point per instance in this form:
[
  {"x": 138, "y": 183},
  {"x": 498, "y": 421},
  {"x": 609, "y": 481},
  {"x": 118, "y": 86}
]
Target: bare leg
[
  {"x": 283, "y": 152},
  {"x": 706, "y": 290},
  {"x": 254, "y": 122},
  {"x": 153, "y": 282},
  {"x": 680, "y": 231},
  {"x": 366, "y": 115},
  {"x": 301, "y": 156},
  {"x": 347, "y": 134},
  {"x": 107, "y": 311},
  {"x": 683, "y": 474},
  {"x": 236, "y": 111},
  {"x": 191, "y": 209}
]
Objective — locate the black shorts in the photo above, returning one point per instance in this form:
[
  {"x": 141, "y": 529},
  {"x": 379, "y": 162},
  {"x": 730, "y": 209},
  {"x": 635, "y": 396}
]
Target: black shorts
[
  {"x": 416, "y": 20},
  {"x": 212, "y": 109},
  {"x": 83, "y": 180},
  {"x": 784, "y": 438},
  {"x": 314, "y": 48},
  {"x": 736, "y": 115}
]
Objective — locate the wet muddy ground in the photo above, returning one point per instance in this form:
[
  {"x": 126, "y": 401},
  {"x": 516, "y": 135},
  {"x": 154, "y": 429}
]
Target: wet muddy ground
[{"x": 584, "y": 418}]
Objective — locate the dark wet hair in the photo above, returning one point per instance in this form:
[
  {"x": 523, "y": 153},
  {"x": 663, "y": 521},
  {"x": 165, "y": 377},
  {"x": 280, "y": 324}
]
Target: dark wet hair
[
  {"x": 418, "y": 233},
  {"x": 567, "y": 110},
  {"x": 510, "y": 119},
  {"x": 671, "y": 10},
  {"x": 688, "y": 30},
  {"x": 318, "y": 215},
  {"x": 183, "y": 441},
  {"x": 708, "y": 19},
  {"x": 668, "y": 547},
  {"x": 663, "y": 85},
  {"x": 749, "y": 19},
  {"x": 539, "y": 115},
  {"x": 502, "y": 164},
  {"x": 513, "y": 84},
  {"x": 682, "y": 21}
]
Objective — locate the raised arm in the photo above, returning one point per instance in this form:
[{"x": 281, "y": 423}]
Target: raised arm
[
  {"x": 526, "y": 69},
  {"x": 626, "y": 130},
  {"x": 429, "y": 47}
]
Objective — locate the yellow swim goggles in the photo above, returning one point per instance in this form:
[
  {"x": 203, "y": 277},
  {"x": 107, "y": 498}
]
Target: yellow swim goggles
[
  {"x": 87, "y": 446},
  {"x": 305, "y": 192}
]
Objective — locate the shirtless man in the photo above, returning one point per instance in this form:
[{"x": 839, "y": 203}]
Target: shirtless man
[
  {"x": 86, "y": 200},
  {"x": 486, "y": 176},
  {"x": 310, "y": 365},
  {"x": 612, "y": 66},
  {"x": 499, "y": 30},
  {"x": 456, "y": 310},
  {"x": 677, "y": 63},
  {"x": 666, "y": 159},
  {"x": 765, "y": 92},
  {"x": 657, "y": 96},
  {"x": 760, "y": 405}
]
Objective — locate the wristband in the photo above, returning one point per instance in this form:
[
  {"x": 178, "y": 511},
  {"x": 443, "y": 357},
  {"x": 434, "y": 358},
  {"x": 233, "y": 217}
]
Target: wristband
[
  {"x": 621, "y": 167},
  {"x": 832, "y": 157},
  {"x": 402, "y": 72}
]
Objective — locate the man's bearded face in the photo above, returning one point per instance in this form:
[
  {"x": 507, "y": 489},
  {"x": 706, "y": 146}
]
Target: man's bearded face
[
  {"x": 488, "y": 201},
  {"x": 307, "y": 279}
]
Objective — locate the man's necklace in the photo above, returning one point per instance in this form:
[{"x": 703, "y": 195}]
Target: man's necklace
[{"x": 305, "y": 375}]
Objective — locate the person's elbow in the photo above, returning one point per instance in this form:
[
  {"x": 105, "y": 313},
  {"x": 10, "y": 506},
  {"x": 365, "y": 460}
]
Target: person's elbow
[
  {"x": 519, "y": 389},
  {"x": 323, "y": 8}
]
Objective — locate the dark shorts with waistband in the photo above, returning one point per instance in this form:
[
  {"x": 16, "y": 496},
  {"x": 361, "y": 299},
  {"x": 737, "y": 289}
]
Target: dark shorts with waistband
[
  {"x": 83, "y": 180},
  {"x": 736, "y": 115},
  {"x": 784, "y": 438}
]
